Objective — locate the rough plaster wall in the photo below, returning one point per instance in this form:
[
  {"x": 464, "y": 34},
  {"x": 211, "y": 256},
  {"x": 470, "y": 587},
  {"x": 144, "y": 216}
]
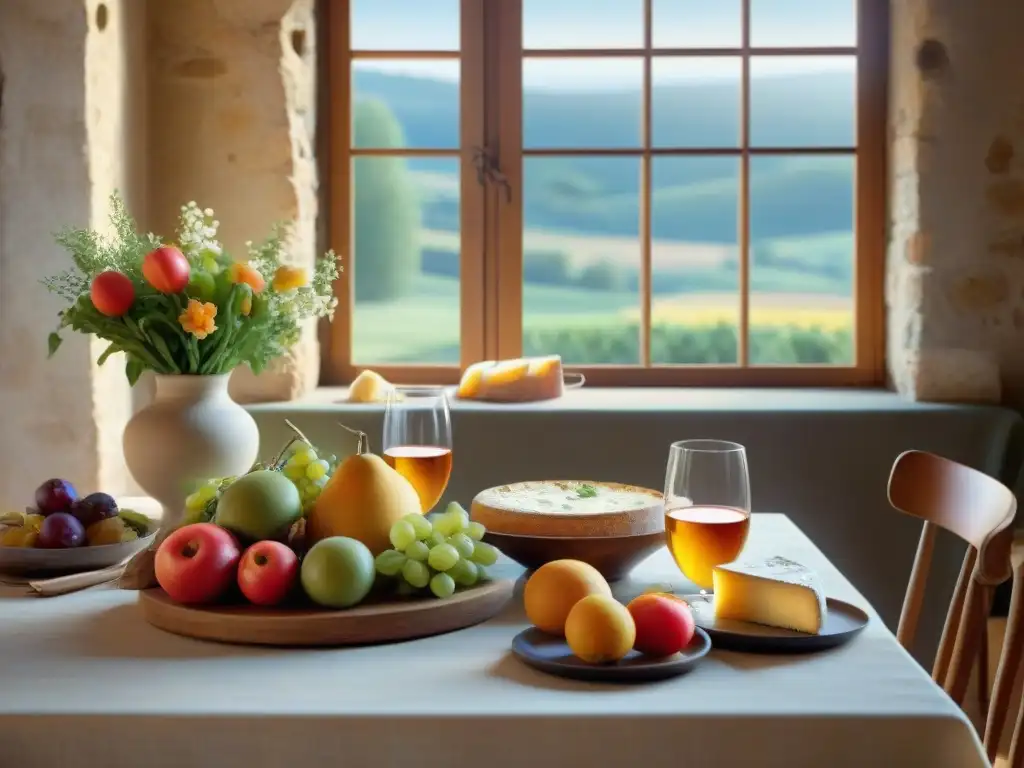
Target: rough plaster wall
[
  {"x": 243, "y": 144},
  {"x": 955, "y": 286},
  {"x": 54, "y": 423},
  {"x": 115, "y": 96}
]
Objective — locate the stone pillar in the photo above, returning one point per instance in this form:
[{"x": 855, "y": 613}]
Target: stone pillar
[
  {"x": 66, "y": 108},
  {"x": 232, "y": 120},
  {"x": 955, "y": 287}
]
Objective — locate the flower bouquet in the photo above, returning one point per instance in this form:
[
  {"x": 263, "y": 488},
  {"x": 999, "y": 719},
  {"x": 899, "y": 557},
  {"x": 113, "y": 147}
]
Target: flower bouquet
[
  {"x": 187, "y": 311},
  {"x": 187, "y": 307}
]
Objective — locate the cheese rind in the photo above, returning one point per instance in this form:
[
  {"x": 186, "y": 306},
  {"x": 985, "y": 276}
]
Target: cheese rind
[{"x": 776, "y": 592}]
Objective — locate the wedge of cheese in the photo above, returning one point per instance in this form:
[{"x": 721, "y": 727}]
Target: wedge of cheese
[
  {"x": 369, "y": 387},
  {"x": 519, "y": 380},
  {"x": 776, "y": 592}
]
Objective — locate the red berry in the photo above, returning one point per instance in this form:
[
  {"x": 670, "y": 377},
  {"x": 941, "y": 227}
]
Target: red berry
[
  {"x": 166, "y": 269},
  {"x": 112, "y": 293}
]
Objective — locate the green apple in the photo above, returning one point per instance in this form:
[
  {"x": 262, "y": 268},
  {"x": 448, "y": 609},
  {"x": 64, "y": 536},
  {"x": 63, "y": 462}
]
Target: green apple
[
  {"x": 260, "y": 505},
  {"x": 337, "y": 572}
]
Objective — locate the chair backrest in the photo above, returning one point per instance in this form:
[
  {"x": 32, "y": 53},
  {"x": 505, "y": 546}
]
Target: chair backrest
[{"x": 979, "y": 510}]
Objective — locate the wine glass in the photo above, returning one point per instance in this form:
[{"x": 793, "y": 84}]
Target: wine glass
[
  {"x": 418, "y": 440},
  {"x": 707, "y": 506}
]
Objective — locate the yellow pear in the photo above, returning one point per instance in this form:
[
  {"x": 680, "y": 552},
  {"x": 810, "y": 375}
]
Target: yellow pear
[{"x": 363, "y": 499}]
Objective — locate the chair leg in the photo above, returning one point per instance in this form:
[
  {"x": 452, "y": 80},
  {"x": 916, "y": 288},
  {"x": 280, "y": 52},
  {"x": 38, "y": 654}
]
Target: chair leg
[
  {"x": 983, "y": 688},
  {"x": 1006, "y": 674}
]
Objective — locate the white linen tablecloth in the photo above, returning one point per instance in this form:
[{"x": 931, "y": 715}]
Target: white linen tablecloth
[{"x": 85, "y": 681}]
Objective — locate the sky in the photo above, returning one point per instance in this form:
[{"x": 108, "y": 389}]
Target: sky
[{"x": 552, "y": 24}]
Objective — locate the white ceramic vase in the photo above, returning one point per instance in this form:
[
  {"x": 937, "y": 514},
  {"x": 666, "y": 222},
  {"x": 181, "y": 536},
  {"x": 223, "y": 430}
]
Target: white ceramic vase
[{"x": 191, "y": 431}]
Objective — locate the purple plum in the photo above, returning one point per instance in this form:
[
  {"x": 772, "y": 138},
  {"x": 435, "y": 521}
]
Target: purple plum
[
  {"x": 55, "y": 496},
  {"x": 60, "y": 531},
  {"x": 93, "y": 508}
]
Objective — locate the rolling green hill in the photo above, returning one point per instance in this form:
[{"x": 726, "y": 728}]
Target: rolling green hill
[
  {"x": 695, "y": 197},
  {"x": 801, "y": 206}
]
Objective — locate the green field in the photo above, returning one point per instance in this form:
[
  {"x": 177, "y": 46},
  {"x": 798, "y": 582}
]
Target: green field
[
  {"x": 424, "y": 327},
  {"x": 581, "y": 225},
  {"x": 601, "y": 326}
]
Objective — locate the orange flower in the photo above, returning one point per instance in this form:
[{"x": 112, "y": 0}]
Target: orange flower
[
  {"x": 288, "y": 278},
  {"x": 197, "y": 318},
  {"x": 243, "y": 273}
]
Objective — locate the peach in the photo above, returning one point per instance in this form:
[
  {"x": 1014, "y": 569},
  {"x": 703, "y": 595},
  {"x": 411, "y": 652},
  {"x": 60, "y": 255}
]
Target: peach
[
  {"x": 554, "y": 588},
  {"x": 664, "y": 623},
  {"x": 599, "y": 629}
]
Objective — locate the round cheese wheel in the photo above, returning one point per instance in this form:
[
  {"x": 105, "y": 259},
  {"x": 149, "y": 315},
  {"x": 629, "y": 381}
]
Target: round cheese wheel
[{"x": 573, "y": 508}]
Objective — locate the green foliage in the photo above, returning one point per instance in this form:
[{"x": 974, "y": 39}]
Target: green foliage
[
  {"x": 602, "y": 276},
  {"x": 153, "y": 334},
  {"x": 92, "y": 253},
  {"x": 820, "y": 264},
  {"x": 547, "y": 268},
  {"x": 388, "y": 212},
  {"x": 673, "y": 344}
]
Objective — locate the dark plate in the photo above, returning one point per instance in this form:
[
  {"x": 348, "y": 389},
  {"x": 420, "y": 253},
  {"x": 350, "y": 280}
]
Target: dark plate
[
  {"x": 843, "y": 622},
  {"x": 552, "y": 655}
]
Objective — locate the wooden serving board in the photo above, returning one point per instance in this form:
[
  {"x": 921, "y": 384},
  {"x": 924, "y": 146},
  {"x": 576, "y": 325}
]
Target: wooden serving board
[{"x": 366, "y": 624}]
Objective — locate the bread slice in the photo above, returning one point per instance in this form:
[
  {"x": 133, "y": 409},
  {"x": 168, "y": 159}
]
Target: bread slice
[{"x": 571, "y": 508}]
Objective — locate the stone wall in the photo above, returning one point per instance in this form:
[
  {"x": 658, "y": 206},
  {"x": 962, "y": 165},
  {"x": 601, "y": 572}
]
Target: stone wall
[
  {"x": 955, "y": 290},
  {"x": 232, "y": 94},
  {"x": 211, "y": 100},
  {"x": 69, "y": 101}
]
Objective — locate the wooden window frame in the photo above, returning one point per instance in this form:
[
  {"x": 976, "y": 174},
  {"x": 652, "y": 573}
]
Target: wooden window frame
[{"x": 491, "y": 216}]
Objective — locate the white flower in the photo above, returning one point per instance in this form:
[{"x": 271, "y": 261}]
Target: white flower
[{"x": 197, "y": 230}]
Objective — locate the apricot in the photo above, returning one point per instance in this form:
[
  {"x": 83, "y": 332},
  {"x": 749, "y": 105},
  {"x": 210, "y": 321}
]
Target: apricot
[
  {"x": 599, "y": 629},
  {"x": 554, "y": 588},
  {"x": 664, "y": 623}
]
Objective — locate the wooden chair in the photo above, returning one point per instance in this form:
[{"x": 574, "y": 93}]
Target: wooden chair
[
  {"x": 1006, "y": 672},
  {"x": 979, "y": 510}
]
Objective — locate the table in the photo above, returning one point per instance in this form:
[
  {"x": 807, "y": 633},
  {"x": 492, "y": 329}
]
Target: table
[
  {"x": 84, "y": 681},
  {"x": 821, "y": 456}
]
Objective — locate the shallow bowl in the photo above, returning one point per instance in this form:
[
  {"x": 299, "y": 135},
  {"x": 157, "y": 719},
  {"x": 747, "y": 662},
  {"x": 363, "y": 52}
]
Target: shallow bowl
[
  {"x": 24, "y": 561},
  {"x": 613, "y": 556}
]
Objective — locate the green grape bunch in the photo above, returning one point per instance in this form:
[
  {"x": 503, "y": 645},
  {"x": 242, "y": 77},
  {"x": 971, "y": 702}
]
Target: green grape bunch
[
  {"x": 201, "y": 504},
  {"x": 441, "y": 552},
  {"x": 299, "y": 461},
  {"x": 309, "y": 471}
]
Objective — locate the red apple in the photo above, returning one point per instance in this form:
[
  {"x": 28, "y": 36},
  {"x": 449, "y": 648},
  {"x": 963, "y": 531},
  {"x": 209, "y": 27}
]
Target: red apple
[
  {"x": 166, "y": 269},
  {"x": 267, "y": 572},
  {"x": 112, "y": 293},
  {"x": 664, "y": 624},
  {"x": 197, "y": 563}
]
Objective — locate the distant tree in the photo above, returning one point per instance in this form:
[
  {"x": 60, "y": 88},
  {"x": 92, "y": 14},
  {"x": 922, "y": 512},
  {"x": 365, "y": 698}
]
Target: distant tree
[
  {"x": 547, "y": 268},
  {"x": 602, "y": 276},
  {"x": 387, "y": 212}
]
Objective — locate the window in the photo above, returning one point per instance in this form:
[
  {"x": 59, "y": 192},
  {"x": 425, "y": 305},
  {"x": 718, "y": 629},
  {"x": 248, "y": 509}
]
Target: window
[{"x": 660, "y": 191}]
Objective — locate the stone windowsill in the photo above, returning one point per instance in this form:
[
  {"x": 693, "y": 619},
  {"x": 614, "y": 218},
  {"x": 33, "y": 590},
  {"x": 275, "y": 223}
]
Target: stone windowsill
[{"x": 646, "y": 399}]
